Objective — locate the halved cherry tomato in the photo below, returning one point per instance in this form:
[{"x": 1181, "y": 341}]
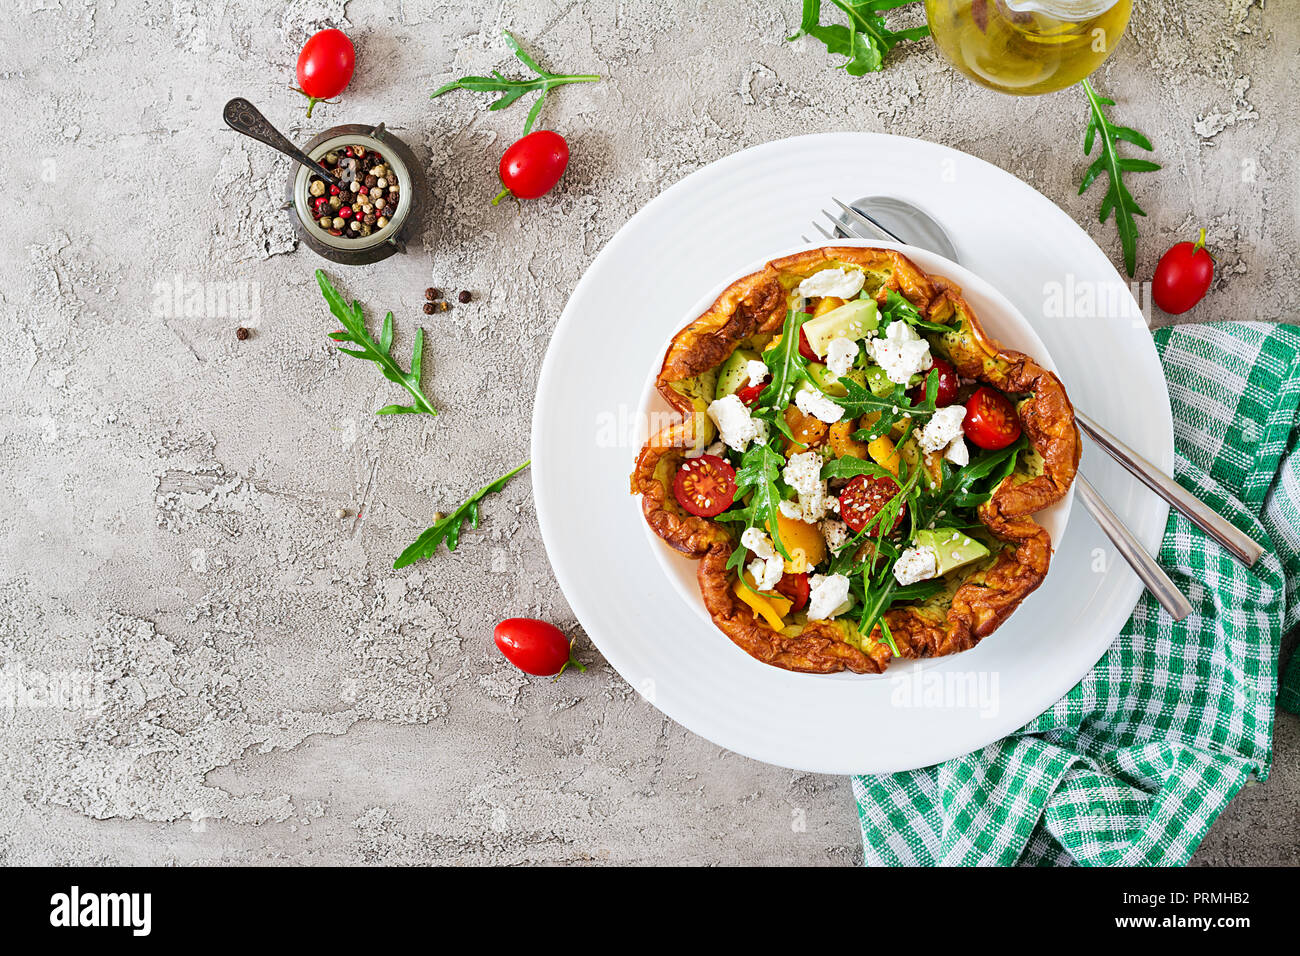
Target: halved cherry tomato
[
  {"x": 531, "y": 166},
  {"x": 749, "y": 394},
  {"x": 705, "y": 486},
  {"x": 1182, "y": 276},
  {"x": 991, "y": 421},
  {"x": 534, "y": 646},
  {"x": 805, "y": 347},
  {"x": 948, "y": 383},
  {"x": 795, "y": 587},
  {"x": 864, "y": 496},
  {"x": 325, "y": 66}
]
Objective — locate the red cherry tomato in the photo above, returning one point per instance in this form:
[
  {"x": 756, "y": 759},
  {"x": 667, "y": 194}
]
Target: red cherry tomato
[
  {"x": 533, "y": 165},
  {"x": 705, "y": 486},
  {"x": 991, "y": 421},
  {"x": 1182, "y": 276},
  {"x": 948, "y": 383},
  {"x": 749, "y": 394},
  {"x": 795, "y": 587},
  {"x": 862, "y": 499},
  {"x": 805, "y": 348},
  {"x": 535, "y": 647},
  {"x": 325, "y": 66}
]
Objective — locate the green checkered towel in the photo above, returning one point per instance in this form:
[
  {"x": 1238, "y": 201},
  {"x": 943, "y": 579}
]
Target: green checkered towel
[{"x": 1133, "y": 765}]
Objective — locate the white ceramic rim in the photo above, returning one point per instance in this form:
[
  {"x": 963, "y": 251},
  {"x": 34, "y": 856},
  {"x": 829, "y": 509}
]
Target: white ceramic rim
[{"x": 805, "y": 170}]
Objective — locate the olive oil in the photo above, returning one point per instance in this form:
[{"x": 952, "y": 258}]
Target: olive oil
[{"x": 1025, "y": 47}]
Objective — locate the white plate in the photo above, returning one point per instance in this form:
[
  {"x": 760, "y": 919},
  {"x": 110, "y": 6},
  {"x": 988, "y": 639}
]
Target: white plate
[
  {"x": 998, "y": 317},
  {"x": 709, "y": 227}
]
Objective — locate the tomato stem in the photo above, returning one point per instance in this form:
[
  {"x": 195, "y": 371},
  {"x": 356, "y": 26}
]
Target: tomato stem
[
  {"x": 1200, "y": 244},
  {"x": 505, "y": 191},
  {"x": 312, "y": 100},
  {"x": 572, "y": 660}
]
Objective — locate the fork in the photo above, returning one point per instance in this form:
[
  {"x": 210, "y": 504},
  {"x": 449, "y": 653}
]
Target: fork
[{"x": 854, "y": 223}]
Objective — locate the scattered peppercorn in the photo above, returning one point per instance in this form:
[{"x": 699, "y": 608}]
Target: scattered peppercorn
[
  {"x": 242, "y": 333},
  {"x": 428, "y": 308},
  {"x": 432, "y": 293},
  {"x": 464, "y": 295}
]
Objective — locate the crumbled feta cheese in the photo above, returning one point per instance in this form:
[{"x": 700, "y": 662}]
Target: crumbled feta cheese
[
  {"x": 835, "y": 532},
  {"x": 842, "y": 283},
  {"x": 916, "y": 564},
  {"x": 958, "y": 453},
  {"x": 901, "y": 353},
  {"x": 943, "y": 426},
  {"x": 803, "y": 473},
  {"x": 757, "y": 371},
  {"x": 768, "y": 565},
  {"x": 766, "y": 574},
  {"x": 840, "y": 354},
  {"x": 717, "y": 448},
  {"x": 736, "y": 427},
  {"x": 814, "y": 403},
  {"x": 828, "y": 596}
]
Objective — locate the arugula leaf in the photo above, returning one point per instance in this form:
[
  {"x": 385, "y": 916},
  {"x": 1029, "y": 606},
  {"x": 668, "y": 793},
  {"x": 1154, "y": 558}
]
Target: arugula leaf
[
  {"x": 1117, "y": 197},
  {"x": 850, "y": 467},
  {"x": 354, "y": 332},
  {"x": 858, "y": 401},
  {"x": 865, "y": 41},
  {"x": 967, "y": 487},
  {"x": 448, "y": 529},
  {"x": 897, "y": 307},
  {"x": 512, "y": 90},
  {"x": 787, "y": 366},
  {"x": 759, "y": 469}
]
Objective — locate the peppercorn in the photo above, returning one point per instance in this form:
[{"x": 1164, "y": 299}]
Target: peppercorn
[
  {"x": 369, "y": 219},
  {"x": 317, "y": 187},
  {"x": 370, "y": 182},
  {"x": 365, "y": 230},
  {"x": 464, "y": 295},
  {"x": 242, "y": 333},
  {"x": 331, "y": 159},
  {"x": 381, "y": 221},
  {"x": 443, "y": 306},
  {"x": 431, "y": 293},
  {"x": 428, "y": 308}
]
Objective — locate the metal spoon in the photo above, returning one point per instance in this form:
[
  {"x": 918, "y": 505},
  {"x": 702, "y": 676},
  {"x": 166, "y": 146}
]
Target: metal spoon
[
  {"x": 243, "y": 117},
  {"x": 877, "y": 214}
]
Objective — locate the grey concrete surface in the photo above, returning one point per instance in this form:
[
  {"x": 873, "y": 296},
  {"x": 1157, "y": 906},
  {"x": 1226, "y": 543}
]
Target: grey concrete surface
[{"x": 273, "y": 691}]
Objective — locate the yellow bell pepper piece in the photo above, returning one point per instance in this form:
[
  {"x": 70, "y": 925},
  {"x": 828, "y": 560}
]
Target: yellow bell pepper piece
[
  {"x": 884, "y": 454},
  {"x": 826, "y": 304},
  {"x": 770, "y": 609},
  {"x": 801, "y": 539}
]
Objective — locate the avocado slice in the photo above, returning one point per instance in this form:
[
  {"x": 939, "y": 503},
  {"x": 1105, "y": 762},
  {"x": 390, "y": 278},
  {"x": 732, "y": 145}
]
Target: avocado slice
[
  {"x": 826, "y": 380},
  {"x": 853, "y": 320},
  {"x": 700, "y": 390},
  {"x": 953, "y": 549},
  {"x": 733, "y": 374}
]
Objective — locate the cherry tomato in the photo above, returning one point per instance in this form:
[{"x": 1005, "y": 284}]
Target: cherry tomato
[
  {"x": 948, "y": 383},
  {"x": 705, "y": 486},
  {"x": 749, "y": 394},
  {"x": 862, "y": 499},
  {"x": 535, "y": 647},
  {"x": 805, "y": 348},
  {"x": 325, "y": 66},
  {"x": 991, "y": 421},
  {"x": 533, "y": 165},
  {"x": 1182, "y": 276},
  {"x": 795, "y": 587}
]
